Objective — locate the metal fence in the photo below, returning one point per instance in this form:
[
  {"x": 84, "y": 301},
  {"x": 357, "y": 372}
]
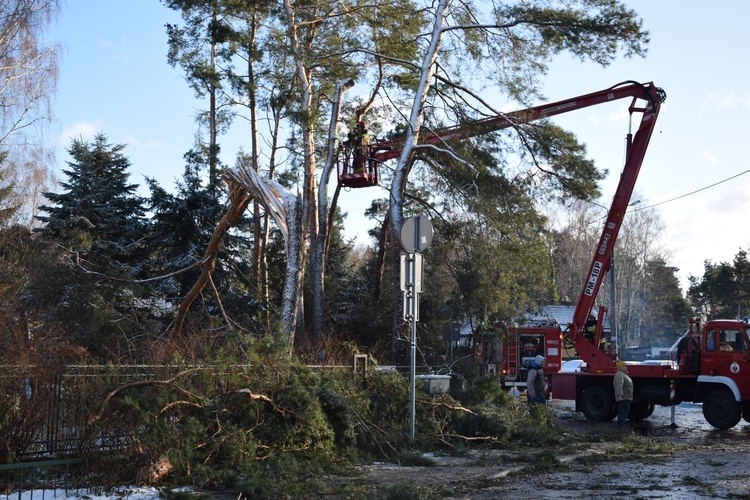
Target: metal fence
[
  {"x": 46, "y": 412},
  {"x": 36, "y": 479},
  {"x": 47, "y": 439}
]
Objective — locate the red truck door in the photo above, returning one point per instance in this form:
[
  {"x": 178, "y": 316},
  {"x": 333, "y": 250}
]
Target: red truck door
[{"x": 725, "y": 354}]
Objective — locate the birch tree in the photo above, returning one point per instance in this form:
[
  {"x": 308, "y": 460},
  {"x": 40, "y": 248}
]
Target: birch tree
[
  {"x": 517, "y": 40},
  {"x": 28, "y": 82}
]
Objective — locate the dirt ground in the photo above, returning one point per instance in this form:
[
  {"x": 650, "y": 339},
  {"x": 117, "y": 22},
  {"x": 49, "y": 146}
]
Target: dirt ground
[{"x": 655, "y": 460}]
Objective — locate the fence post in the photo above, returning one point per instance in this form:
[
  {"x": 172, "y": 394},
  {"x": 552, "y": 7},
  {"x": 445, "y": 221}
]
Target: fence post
[{"x": 359, "y": 365}]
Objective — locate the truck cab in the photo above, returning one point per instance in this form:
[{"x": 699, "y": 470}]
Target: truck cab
[
  {"x": 725, "y": 358},
  {"x": 713, "y": 368}
]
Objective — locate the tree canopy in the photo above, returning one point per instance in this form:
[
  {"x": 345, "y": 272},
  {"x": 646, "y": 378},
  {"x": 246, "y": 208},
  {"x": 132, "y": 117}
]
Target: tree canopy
[{"x": 408, "y": 68}]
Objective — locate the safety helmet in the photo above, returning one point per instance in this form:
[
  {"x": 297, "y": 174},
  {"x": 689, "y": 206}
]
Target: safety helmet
[{"x": 362, "y": 124}]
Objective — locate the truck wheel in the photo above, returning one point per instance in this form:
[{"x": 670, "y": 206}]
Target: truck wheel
[
  {"x": 721, "y": 410},
  {"x": 640, "y": 411},
  {"x": 651, "y": 408},
  {"x": 746, "y": 412},
  {"x": 598, "y": 404}
]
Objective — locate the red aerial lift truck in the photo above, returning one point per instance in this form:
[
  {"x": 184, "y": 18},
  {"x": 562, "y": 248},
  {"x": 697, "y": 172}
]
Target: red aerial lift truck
[
  {"x": 713, "y": 365},
  {"x": 713, "y": 361}
]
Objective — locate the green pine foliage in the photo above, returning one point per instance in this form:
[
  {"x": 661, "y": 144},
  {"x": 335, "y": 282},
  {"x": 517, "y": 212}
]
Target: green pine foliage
[
  {"x": 722, "y": 290},
  {"x": 248, "y": 427}
]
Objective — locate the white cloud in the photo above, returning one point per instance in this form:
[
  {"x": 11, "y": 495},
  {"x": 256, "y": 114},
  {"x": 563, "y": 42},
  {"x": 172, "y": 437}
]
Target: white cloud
[
  {"x": 725, "y": 101},
  {"x": 708, "y": 101},
  {"x": 147, "y": 144},
  {"x": 621, "y": 115},
  {"x": 83, "y": 130},
  {"x": 734, "y": 99},
  {"x": 731, "y": 203},
  {"x": 103, "y": 44}
]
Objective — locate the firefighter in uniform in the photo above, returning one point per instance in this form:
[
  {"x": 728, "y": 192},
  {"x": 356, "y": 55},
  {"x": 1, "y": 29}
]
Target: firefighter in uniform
[
  {"x": 535, "y": 381},
  {"x": 358, "y": 140},
  {"x": 590, "y": 331}
]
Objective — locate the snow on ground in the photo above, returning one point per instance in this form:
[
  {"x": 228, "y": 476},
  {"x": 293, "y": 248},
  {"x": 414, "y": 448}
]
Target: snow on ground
[{"x": 130, "y": 493}]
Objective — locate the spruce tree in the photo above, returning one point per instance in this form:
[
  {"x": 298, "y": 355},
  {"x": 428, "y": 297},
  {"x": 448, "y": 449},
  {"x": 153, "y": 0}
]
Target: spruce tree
[
  {"x": 7, "y": 209},
  {"x": 86, "y": 291},
  {"x": 181, "y": 226},
  {"x": 98, "y": 213}
]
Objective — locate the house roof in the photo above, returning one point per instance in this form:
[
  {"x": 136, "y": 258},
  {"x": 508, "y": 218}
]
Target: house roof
[{"x": 562, "y": 315}]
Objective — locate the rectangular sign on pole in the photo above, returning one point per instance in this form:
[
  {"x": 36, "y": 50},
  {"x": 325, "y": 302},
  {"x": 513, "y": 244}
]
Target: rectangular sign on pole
[
  {"x": 418, "y": 273},
  {"x": 410, "y": 306},
  {"x": 405, "y": 268},
  {"x": 411, "y": 268}
]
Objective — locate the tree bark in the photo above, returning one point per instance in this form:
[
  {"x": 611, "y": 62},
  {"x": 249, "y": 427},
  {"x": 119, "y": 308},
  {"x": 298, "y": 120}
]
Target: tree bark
[
  {"x": 239, "y": 199},
  {"x": 399, "y": 347},
  {"x": 319, "y": 240}
]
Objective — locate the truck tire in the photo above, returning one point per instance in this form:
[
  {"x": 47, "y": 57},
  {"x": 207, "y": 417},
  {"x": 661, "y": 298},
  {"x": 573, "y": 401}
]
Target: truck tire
[
  {"x": 651, "y": 408},
  {"x": 640, "y": 411},
  {"x": 721, "y": 410},
  {"x": 746, "y": 412},
  {"x": 598, "y": 404}
]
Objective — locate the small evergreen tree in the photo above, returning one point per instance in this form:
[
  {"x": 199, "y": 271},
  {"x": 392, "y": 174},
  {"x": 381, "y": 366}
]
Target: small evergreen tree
[
  {"x": 98, "y": 213},
  {"x": 7, "y": 209},
  {"x": 99, "y": 219}
]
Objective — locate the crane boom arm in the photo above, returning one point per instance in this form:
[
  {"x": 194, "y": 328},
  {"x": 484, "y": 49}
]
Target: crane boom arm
[
  {"x": 390, "y": 149},
  {"x": 636, "y": 150}
]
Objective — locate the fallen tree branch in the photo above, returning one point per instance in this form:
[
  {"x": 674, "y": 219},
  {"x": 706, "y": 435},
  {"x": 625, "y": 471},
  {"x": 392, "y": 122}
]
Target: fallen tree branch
[
  {"x": 239, "y": 199},
  {"x": 141, "y": 383},
  {"x": 450, "y": 407},
  {"x": 262, "y": 397}
]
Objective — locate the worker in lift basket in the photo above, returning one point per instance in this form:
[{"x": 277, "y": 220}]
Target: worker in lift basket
[
  {"x": 535, "y": 381},
  {"x": 623, "y": 393},
  {"x": 358, "y": 140},
  {"x": 590, "y": 328}
]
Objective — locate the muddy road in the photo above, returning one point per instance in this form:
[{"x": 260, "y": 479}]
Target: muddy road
[
  {"x": 688, "y": 460},
  {"x": 689, "y": 424}
]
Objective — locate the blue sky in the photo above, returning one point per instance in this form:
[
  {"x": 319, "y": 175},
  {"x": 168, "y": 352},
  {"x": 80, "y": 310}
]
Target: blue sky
[{"x": 115, "y": 79}]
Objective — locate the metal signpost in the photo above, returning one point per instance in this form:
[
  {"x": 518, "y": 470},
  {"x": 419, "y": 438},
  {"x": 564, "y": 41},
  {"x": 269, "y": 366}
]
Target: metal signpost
[{"x": 416, "y": 235}]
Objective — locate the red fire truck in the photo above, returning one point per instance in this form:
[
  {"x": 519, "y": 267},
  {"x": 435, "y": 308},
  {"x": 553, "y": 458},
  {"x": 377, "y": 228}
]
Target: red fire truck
[
  {"x": 713, "y": 361},
  {"x": 522, "y": 344}
]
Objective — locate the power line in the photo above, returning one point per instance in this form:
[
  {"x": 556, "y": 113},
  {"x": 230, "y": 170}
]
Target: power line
[{"x": 692, "y": 192}]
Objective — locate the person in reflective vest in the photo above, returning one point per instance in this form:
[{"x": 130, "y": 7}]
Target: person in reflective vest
[{"x": 623, "y": 386}]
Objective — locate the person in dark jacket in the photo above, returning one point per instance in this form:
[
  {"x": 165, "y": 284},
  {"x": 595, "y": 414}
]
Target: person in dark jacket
[
  {"x": 535, "y": 381},
  {"x": 358, "y": 141}
]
